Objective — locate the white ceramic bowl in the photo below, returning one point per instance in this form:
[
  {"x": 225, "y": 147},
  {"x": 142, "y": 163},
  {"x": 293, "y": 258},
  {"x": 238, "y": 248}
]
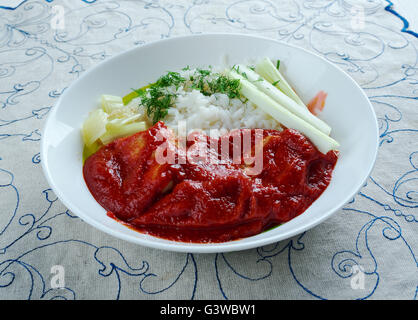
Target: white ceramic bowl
[{"x": 348, "y": 111}]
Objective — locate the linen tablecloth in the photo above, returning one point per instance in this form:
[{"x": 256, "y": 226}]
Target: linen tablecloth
[{"x": 367, "y": 250}]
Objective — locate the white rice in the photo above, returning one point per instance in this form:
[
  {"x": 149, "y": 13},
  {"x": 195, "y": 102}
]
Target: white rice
[{"x": 217, "y": 111}]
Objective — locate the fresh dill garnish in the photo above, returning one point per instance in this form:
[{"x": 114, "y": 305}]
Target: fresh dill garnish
[
  {"x": 140, "y": 92},
  {"x": 275, "y": 82},
  {"x": 278, "y": 64},
  {"x": 170, "y": 79},
  {"x": 209, "y": 83},
  {"x": 157, "y": 103},
  {"x": 222, "y": 84},
  {"x": 204, "y": 72},
  {"x": 158, "y": 97}
]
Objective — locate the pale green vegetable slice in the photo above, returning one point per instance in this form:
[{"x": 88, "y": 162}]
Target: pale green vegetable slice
[
  {"x": 129, "y": 119},
  {"x": 323, "y": 142},
  {"x": 267, "y": 70},
  {"x": 282, "y": 99},
  {"x": 88, "y": 151},
  {"x": 127, "y": 112},
  {"x": 94, "y": 126},
  {"x": 134, "y": 94},
  {"x": 129, "y": 97},
  {"x": 118, "y": 130},
  {"x": 111, "y": 103}
]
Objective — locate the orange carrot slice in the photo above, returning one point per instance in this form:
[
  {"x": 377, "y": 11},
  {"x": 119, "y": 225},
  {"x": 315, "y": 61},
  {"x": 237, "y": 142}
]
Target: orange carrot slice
[{"x": 316, "y": 105}]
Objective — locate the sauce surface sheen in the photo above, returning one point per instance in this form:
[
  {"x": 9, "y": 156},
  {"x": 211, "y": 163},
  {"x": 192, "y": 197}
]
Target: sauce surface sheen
[{"x": 214, "y": 200}]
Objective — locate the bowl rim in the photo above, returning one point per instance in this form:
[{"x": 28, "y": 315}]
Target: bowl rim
[{"x": 178, "y": 246}]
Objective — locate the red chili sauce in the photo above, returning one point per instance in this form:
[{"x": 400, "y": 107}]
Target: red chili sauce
[{"x": 206, "y": 201}]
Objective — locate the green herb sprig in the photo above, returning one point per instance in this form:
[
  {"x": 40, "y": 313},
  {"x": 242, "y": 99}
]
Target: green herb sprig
[
  {"x": 209, "y": 83},
  {"x": 157, "y": 98}
]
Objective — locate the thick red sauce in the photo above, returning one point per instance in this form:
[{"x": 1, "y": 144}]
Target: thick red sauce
[{"x": 206, "y": 201}]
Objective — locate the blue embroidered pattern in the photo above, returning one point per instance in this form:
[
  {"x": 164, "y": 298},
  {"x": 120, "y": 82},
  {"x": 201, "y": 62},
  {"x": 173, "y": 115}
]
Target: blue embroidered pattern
[
  {"x": 38, "y": 63},
  {"x": 405, "y": 22}
]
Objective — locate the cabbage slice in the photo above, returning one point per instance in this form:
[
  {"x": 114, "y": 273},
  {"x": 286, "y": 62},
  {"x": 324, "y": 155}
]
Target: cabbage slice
[
  {"x": 110, "y": 103},
  {"x": 94, "y": 126},
  {"x": 119, "y": 129}
]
